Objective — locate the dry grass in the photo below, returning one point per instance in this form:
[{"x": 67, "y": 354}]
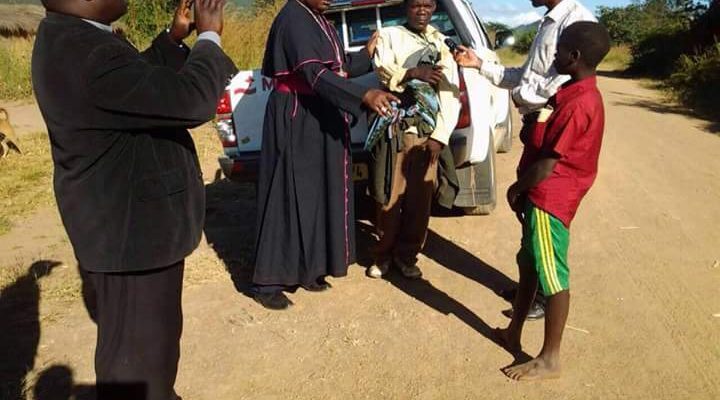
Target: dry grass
[
  {"x": 26, "y": 180},
  {"x": 19, "y": 20},
  {"x": 15, "y": 81},
  {"x": 510, "y": 57},
  {"x": 246, "y": 32},
  {"x": 618, "y": 59}
]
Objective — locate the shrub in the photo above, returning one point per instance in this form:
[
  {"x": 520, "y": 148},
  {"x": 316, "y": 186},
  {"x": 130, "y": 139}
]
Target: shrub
[
  {"x": 523, "y": 41},
  {"x": 145, "y": 18},
  {"x": 657, "y": 54},
  {"x": 696, "y": 81}
]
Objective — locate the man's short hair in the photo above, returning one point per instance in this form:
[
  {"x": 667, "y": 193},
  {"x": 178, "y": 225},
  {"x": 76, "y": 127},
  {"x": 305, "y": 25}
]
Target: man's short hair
[
  {"x": 591, "y": 38},
  {"x": 407, "y": 2}
]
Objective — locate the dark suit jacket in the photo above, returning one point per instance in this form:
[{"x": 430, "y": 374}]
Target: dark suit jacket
[{"x": 127, "y": 179}]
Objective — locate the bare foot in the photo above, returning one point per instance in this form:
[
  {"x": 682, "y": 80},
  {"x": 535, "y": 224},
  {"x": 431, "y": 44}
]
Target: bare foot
[
  {"x": 504, "y": 338},
  {"x": 536, "y": 369}
]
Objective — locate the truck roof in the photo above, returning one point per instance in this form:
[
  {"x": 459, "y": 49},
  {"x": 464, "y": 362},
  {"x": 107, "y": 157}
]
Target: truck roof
[{"x": 341, "y": 5}]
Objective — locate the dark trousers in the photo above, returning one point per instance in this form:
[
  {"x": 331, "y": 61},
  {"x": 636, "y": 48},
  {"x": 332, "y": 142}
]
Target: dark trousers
[{"x": 139, "y": 321}]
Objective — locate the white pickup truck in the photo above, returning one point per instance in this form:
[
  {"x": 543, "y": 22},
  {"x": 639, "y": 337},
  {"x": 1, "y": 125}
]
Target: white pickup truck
[{"x": 484, "y": 127}]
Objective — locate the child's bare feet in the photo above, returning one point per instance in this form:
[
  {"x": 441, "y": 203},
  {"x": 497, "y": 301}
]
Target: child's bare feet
[
  {"x": 536, "y": 369},
  {"x": 508, "y": 341}
]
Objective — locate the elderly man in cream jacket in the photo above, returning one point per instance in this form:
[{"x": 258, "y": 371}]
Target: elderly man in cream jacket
[{"x": 415, "y": 51}]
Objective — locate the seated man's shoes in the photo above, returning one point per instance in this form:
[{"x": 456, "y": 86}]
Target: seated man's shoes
[
  {"x": 376, "y": 271},
  {"x": 273, "y": 300},
  {"x": 320, "y": 285},
  {"x": 409, "y": 270}
]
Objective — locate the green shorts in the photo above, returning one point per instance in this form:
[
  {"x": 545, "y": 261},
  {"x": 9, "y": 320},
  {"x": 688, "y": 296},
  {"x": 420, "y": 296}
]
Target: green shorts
[{"x": 544, "y": 246}]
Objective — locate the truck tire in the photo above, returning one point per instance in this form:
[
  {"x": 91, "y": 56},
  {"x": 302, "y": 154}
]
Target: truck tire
[
  {"x": 506, "y": 130},
  {"x": 478, "y": 192}
]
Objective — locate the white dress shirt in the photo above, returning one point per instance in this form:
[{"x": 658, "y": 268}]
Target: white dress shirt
[
  {"x": 536, "y": 81},
  {"x": 207, "y": 35}
]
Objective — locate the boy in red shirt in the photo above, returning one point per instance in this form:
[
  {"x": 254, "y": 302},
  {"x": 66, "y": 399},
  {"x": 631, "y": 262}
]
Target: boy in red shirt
[{"x": 558, "y": 167}]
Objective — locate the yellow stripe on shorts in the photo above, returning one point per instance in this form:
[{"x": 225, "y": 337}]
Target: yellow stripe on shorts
[
  {"x": 552, "y": 278},
  {"x": 544, "y": 249}
]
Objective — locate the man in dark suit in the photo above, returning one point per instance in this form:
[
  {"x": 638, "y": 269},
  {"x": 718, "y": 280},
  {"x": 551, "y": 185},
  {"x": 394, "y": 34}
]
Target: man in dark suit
[{"x": 127, "y": 178}]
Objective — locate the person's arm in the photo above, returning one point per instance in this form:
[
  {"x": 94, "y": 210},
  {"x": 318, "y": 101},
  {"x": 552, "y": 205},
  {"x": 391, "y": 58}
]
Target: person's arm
[
  {"x": 343, "y": 93},
  {"x": 168, "y": 48},
  {"x": 536, "y": 173},
  {"x": 141, "y": 95},
  {"x": 448, "y": 90},
  {"x": 501, "y": 76},
  {"x": 359, "y": 63},
  {"x": 390, "y": 73},
  {"x": 393, "y": 75},
  {"x": 164, "y": 51},
  {"x": 145, "y": 96},
  {"x": 506, "y": 78},
  {"x": 340, "y": 92},
  {"x": 536, "y": 94}
]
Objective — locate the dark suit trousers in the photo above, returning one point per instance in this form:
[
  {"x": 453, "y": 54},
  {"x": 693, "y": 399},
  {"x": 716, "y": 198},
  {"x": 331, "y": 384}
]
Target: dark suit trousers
[{"x": 139, "y": 320}]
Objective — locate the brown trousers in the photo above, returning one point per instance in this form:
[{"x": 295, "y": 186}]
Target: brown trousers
[{"x": 402, "y": 223}]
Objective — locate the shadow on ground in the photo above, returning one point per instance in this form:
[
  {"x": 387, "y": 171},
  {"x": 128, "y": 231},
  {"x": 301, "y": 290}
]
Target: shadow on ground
[
  {"x": 712, "y": 122},
  {"x": 20, "y": 328},
  {"x": 230, "y": 228},
  {"x": 230, "y": 217}
]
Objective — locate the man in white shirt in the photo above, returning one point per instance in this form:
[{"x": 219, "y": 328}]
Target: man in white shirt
[{"x": 537, "y": 80}]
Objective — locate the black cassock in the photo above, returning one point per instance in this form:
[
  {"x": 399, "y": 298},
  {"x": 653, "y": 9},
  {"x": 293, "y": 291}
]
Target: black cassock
[{"x": 305, "y": 193}]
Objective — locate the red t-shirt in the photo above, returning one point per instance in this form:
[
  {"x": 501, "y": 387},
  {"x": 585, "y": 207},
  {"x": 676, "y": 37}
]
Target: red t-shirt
[{"x": 572, "y": 134}]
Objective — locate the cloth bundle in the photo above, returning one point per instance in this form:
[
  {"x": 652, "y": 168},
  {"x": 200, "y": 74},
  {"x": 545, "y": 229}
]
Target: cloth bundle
[{"x": 421, "y": 113}]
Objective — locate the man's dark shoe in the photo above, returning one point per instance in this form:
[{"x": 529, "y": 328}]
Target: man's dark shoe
[
  {"x": 537, "y": 311},
  {"x": 317, "y": 287},
  {"x": 273, "y": 301}
]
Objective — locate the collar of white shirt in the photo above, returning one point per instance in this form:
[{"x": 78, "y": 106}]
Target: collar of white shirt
[
  {"x": 560, "y": 10},
  {"x": 106, "y": 28}
]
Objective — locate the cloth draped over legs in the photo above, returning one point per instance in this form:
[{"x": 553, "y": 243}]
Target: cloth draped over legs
[
  {"x": 305, "y": 227},
  {"x": 417, "y": 113}
]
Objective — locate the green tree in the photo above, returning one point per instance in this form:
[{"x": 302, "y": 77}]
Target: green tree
[{"x": 146, "y": 18}]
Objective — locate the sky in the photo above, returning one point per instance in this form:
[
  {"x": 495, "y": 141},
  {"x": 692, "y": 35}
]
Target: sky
[{"x": 519, "y": 12}]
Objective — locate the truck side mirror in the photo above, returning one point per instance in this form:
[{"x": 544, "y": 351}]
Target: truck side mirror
[{"x": 503, "y": 39}]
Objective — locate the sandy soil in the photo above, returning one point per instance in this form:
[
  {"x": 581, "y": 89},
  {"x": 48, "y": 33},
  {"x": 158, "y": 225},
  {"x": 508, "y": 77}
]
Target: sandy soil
[{"x": 643, "y": 323}]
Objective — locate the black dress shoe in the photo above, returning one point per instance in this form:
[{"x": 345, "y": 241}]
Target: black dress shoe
[
  {"x": 318, "y": 286},
  {"x": 273, "y": 301},
  {"x": 537, "y": 311}
]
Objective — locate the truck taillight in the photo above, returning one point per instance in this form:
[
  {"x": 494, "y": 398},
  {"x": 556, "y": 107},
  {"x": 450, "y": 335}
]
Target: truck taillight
[
  {"x": 224, "y": 105},
  {"x": 464, "y": 120}
]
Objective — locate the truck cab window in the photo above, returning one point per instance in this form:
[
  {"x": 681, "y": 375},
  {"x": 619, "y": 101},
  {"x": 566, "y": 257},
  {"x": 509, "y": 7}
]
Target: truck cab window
[{"x": 361, "y": 25}]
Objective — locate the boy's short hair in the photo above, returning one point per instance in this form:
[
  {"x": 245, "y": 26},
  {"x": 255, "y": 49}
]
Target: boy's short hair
[{"x": 591, "y": 38}]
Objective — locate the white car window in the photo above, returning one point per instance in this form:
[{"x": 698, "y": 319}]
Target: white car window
[{"x": 361, "y": 25}]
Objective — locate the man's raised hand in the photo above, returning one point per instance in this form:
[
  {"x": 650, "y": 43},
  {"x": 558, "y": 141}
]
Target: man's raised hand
[
  {"x": 466, "y": 57},
  {"x": 182, "y": 25},
  {"x": 380, "y": 101},
  {"x": 209, "y": 15},
  {"x": 427, "y": 73}
]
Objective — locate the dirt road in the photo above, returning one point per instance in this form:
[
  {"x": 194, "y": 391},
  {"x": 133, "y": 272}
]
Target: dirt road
[{"x": 645, "y": 284}]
